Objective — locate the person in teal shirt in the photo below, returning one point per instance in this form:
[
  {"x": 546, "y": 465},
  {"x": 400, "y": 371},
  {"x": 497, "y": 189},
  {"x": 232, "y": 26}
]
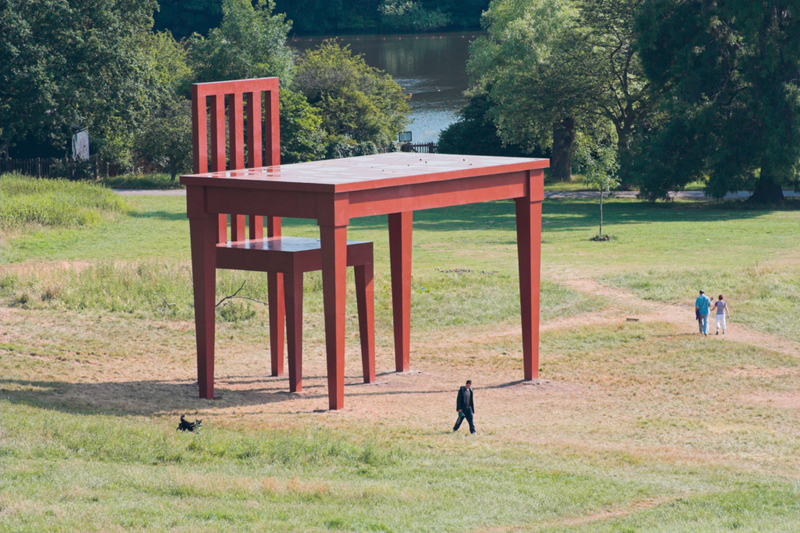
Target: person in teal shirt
[{"x": 701, "y": 306}]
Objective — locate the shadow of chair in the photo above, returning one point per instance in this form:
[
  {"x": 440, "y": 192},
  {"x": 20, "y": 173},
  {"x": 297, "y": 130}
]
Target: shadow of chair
[{"x": 284, "y": 259}]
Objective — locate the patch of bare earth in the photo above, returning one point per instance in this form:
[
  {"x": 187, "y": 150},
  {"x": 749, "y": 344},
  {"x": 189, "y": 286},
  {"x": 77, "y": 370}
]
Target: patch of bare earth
[
  {"x": 784, "y": 399},
  {"x": 118, "y": 365}
]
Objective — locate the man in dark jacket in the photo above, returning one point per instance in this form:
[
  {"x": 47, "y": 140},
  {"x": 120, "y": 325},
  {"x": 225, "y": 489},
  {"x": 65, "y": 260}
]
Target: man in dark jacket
[{"x": 465, "y": 406}]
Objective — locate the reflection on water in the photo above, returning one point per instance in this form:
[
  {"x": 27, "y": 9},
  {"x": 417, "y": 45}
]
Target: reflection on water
[{"x": 432, "y": 67}]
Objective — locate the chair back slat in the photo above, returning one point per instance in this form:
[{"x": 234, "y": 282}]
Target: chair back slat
[
  {"x": 218, "y": 148},
  {"x": 236, "y": 133},
  {"x": 254, "y": 138},
  {"x": 273, "y": 135},
  {"x": 230, "y": 155},
  {"x": 199, "y": 134}
]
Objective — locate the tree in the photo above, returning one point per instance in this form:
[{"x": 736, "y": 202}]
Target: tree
[
  {"x": 518, "y": 64},
  {"x": 731, "y": 70},
  {"x": 78, "y": 64},
  {"x": 600, "y": 173},
  {"x": 250, "y": 43},
  {"x": 357, "y": 102},
  {"x": 553, "y": 68},
  {"x": 165, "y": 139}
]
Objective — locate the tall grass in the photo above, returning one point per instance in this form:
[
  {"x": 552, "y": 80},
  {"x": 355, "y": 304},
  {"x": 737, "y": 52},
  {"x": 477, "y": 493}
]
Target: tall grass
[
  {"x": 30, "y": 202},
  {"x": 132, "y": 440},
  {"x": 162, "y": 289}
]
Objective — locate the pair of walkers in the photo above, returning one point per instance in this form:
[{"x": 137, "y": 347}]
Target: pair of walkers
[{"x": 703, "y": 305}]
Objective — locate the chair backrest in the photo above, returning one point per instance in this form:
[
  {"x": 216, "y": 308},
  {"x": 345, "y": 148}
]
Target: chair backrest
[{"x": 213, "y": 95}]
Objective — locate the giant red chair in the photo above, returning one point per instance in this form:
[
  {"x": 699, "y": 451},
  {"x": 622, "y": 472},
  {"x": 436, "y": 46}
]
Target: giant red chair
[{"x": 285, "y": 259}]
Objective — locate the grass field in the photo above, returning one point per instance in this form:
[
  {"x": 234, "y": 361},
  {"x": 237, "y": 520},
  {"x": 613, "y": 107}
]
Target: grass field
[{"x": 633, "y": 427}]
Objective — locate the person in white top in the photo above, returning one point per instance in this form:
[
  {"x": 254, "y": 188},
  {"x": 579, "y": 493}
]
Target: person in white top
[{"x": 722, "y": 312}]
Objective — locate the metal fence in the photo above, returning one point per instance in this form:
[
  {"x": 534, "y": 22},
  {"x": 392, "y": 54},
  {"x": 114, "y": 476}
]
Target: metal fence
[
  {"x": 55, "y": 167},
  {"x": 425, "y": 148}
]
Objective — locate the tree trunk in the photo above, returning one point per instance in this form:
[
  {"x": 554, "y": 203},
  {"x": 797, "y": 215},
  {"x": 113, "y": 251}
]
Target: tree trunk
[
  {"x": 563, "y": 149},
  {"x": 601, "y": 212},
  {"x": 624, "y": 158},
  {"x": 768, "y": 191}
]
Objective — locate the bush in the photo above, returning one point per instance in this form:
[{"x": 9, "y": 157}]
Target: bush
[
  {"x": 142, "y": 182},
  {"x": 66, "y": 169},
  {"x": 356, "y": 102},
  {"x": 340, "y": 149},
  {"x": 476, "y": 134}
]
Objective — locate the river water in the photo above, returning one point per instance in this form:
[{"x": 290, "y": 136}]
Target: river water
[{"x": 432, "y": 67}]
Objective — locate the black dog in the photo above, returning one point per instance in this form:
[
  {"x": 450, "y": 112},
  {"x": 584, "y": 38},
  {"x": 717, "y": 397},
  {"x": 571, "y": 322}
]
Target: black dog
[{"x": 185, "y": 425}]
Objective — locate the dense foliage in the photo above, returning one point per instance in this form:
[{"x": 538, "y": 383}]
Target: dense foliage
[
  {"x": 731, "y": 69},
  {"x": 75, "y": 64},
  {"x": 184, "y": 17},
  {"x": 686, "y": 89},
  {"x": 98, "y": 65}
]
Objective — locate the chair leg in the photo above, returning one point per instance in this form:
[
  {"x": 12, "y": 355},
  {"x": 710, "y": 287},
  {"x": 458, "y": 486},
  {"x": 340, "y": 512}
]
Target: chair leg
[
  {"x": 365, "y": 298},
  {"x": 293, "y": 292},
  {"x": 276, "y": 311}
]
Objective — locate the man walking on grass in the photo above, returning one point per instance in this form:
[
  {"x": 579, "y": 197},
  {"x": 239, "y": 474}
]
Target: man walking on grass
[
  {"x": 465, "y": 407},
  {"x": 701, "y": 306}
]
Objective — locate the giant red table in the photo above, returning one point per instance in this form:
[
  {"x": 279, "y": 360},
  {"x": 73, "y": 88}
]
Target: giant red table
[{"x": 334, "y": 191}]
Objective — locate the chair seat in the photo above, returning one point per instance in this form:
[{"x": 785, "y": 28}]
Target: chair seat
[{"x": 284, "y": 254}]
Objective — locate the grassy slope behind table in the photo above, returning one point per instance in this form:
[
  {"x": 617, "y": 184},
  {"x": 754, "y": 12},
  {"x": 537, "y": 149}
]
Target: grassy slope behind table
[{"x": 641, "y": 427}]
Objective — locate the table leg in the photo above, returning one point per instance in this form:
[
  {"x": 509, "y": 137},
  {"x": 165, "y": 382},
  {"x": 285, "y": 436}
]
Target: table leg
[
  {"x": 333, "y": 241},
  {"x": 529, "y": 248},
  {"x": 365, "y": 297},
  {"x": 293, "y": 283},
  {"x": 203, "y": 233},
  {"x": 400, "y": 226}
]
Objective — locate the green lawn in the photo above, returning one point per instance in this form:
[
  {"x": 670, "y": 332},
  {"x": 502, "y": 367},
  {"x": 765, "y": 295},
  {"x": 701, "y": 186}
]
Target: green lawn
[{"x": 639, "y": 427}]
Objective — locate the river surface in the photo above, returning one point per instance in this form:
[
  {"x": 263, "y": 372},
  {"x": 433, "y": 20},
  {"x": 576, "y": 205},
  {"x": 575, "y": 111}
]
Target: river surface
[{"x": 432, "y": 67}]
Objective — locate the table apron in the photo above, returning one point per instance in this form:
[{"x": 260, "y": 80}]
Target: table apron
[
  {"x": 288, "y": 204},
  {"x": 370, "y": 202},
  {"x": 438, "y": 194}
]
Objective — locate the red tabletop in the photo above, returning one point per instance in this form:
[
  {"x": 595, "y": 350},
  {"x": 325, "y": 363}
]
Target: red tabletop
[
  {"x": 366, "y": 172},
  {"x": 333, "y": 192}
]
